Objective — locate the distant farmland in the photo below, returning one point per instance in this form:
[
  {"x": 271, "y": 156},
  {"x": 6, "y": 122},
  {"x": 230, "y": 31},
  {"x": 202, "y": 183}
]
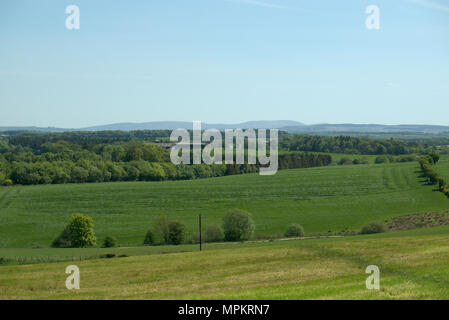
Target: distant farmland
[{"x": 321, "y": 199}]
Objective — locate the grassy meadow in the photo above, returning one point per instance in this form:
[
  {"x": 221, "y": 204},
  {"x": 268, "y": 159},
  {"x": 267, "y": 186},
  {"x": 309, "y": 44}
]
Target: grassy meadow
[
  {"x": 413, "y": 265},
  {"x": 333, "y": 198},
  {"x": 322, "y": 199}
]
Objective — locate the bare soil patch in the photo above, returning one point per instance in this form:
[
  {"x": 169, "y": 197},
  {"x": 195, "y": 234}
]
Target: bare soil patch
[{"x": 415, "y": 221}]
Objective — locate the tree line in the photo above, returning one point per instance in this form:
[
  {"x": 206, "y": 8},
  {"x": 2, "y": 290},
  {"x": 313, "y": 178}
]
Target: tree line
[
  {"x": 428, "y": 171},
  {"x": 349, "y": 145},
  {"x": 237, "y": 225},
  {"x": 58, "y": 162}
]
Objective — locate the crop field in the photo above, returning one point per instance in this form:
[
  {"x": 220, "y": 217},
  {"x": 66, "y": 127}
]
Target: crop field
[
  {"x": 324, "y": 200},
  {"x": 413, "y": 265}
]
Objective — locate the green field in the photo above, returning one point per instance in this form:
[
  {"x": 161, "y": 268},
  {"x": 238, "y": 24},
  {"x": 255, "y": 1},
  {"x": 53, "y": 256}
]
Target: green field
[
  {"x": 413, "y": 265},
  {"x": 321, "y": 199},
  {"x": 443, "y": 168}
]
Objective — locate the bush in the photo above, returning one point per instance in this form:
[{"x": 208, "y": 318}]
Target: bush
[
  {"x": 238, "y": 225},
  {"x": 7, "y": 182},
  {"x": 149, "y": 238},
  {"x": 79, "y": 233},
  {"x": 374, "y": 227},
  {"x": 110, "y": 242},
  {"x": 161, "y": 230},
  {"x": 214, "y": 234},
  {"x": 381, "y": 159},
  {"x": 176, "y": 233},
  {"x": 345, "y": 161},
  {"x": 294, "y": 230},
  {"x": 441, "y": 183},
  {"x": 165, "y": 231}
]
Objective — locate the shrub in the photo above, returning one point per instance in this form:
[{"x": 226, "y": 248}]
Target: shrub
[
  {"x": 161, "y": 230},
  {"x": 110, "y": 242},
  {"x": 214, "y": 234},
  {"x": 364, "y": 160},
  {"x": 345, "y": 161},
  {"x": 176, "y": 233},
  {"x": 149, "y": 238},
  {"x": 165, "y": 231},
  {"x": 7, "y": 182},
  {"x": 79, "y": 233},
  {"x": 294, "y": 230},
  {"x": 238, "y": 225},
  {"x": 374, "y": 227},
  {"x": 381, "y": 159}
]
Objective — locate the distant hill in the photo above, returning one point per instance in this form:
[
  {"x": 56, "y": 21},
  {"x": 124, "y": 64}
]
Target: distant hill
[
  {"x": 365, "y": 128},
  {"x": 285, "y": 125},
  {"x": 172, "y": 125},
  {"x": 165, "y": 125},
  {"x": 35, "y": 129}
]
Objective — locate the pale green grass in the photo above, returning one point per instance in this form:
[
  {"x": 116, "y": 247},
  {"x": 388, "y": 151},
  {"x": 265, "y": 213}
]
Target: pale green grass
[{"x": 413, "y": 265}]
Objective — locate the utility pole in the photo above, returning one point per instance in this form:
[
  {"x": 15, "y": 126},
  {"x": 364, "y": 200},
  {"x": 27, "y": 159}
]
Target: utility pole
[{"x": 201, "y": 240}]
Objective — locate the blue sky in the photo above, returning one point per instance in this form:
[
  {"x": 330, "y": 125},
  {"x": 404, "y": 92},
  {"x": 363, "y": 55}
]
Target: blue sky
[{"x": 223, "y": 61}]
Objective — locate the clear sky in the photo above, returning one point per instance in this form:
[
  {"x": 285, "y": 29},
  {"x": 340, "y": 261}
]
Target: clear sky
[{"x": 223, "y": 61}]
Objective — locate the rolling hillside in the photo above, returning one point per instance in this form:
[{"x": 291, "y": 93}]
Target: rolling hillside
[
  {"x": 321, "y": 199},
  {"x": 413, "y": 265}
]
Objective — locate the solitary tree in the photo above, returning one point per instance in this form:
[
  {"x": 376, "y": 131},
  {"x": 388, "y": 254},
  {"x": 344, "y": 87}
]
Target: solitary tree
[
  {"x": 238, "y": 225},
  {"x": 176, "y": 233},
  {"x": 78, "y": 233}
]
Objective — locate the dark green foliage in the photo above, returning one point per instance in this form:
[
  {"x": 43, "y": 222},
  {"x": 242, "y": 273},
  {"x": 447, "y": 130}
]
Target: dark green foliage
[
  {"x": 374, "y": 227},
  {"x": 79, "y": 233},
  {"x": 293, "y": 160},
  {"x": 441, "y": 183},
  {"x": 165, "y": 231},
  {"x": 345, "y": 161},
  {"x": 110, "y": 242},
  {"x": 43, "y": 159},
  {"x": 79, "y": 157},
  {"x": 238, "y": 225},
  {"x": 294, "y": 230},
  {"x": 435, "y": 157},
  {"x": 149, "y": 238},
  {"x": 428, "y": 170},
  {"x": 346, "y": 144},
  {"x": 176, "y": 233},
  {"x": 381, "y": 159},
  {"x": 214, "y": 233}
]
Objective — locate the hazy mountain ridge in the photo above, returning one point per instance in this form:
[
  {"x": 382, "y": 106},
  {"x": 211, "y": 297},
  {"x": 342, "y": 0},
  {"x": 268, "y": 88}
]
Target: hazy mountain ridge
[{"x": 286, "y": 125}]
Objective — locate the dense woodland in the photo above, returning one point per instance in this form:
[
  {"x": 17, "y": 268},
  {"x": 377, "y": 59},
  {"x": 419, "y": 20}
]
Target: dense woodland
[
  {"x": 350, "y": 145},
  {"x": 76, "y": 157}
]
